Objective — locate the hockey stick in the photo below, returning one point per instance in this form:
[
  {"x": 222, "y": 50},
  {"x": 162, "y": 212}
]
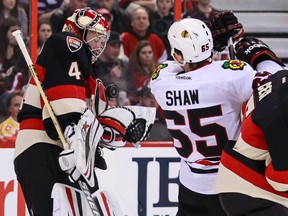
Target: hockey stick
[
  {"x": 231, "y": 48},
  {"x": 83, "y": 185}
]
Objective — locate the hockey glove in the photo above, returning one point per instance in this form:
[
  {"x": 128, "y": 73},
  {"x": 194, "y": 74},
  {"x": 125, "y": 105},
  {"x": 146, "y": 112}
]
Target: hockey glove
[
  {"x": 223, "y": 26},
  {"x": 140, "y": 128},
  {"x": 253, "y": 51}
]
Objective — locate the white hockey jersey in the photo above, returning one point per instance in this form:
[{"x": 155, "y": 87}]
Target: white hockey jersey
[{"x": 202, "y": 111}]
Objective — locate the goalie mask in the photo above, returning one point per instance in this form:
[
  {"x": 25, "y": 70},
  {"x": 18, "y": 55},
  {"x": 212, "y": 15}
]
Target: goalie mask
[
  {"x": 192, "y": 38},
  {"x": 91, "y": 27}
]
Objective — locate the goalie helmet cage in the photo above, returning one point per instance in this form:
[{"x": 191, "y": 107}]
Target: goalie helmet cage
[{"x": 33, "y": 24}]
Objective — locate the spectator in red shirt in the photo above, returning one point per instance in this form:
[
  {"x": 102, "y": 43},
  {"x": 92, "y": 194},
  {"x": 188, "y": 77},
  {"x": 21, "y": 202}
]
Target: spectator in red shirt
[{"x": 140, "y": 31}]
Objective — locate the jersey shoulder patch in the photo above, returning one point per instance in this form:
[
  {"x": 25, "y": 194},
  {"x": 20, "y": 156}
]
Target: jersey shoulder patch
[
  {"x": 74, "y": 44},
  {"x": 157, "y": 70},
  {"x": 167, "y": 67},
  {"x": 234, "y": 65}
]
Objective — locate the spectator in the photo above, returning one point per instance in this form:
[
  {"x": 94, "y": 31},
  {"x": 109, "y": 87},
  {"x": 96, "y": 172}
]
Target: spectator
[
  {"x": 140, "y": 67},
  {"x": 14, "y": 71},
  {"x": 44, "y": 32},
  {"x": 130, "y": 5},
  {"x": 161, "y": 20},
  {"x": 59, "y": 17},
  {"x": 9, "y": 128},
  {"x": 159, "y": 130},
  {"x": 140, "y": 31},
  {"x": 47, "y": 8},
  {"x": 204, "y": 11},
  {"x": 189, "y": 4},
  {"x": 121, "y": 18},
  {"x": 10, "y": 8},
  {"x": 109, "y": 68}
]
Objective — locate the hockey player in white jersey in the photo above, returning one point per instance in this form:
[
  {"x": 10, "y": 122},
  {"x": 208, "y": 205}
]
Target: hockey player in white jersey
[{"x": 201, "y": 100}]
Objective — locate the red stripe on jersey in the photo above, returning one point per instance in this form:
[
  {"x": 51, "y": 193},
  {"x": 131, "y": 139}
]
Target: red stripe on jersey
[
  {"x": 105, "y": 203},
  {"x": 252, "y": 134},
  {"x": 66, "y": 91},
  {"x": 70, "y": 199},
  {"x": 276, "y": 175},
  {"x": 248, "y": 174},
  {"x": 32, "y": 123},
  {"x": 41, "y": 71},
  {"x": 90, "y": 86},
  {"x": 112, "y": 123}
]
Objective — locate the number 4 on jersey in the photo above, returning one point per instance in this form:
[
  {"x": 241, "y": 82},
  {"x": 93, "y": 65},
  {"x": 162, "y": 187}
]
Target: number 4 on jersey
[{"x": 74, "y": 70}]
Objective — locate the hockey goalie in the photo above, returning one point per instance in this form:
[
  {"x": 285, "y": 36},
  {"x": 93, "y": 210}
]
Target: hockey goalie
[{"x": 61, "y": 131}]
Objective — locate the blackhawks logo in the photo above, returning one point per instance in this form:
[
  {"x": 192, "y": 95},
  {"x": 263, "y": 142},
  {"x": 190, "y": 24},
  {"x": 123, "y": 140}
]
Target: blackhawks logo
[
  {"x": 156, "y": 72},
  {"x": 234, "y": 65}
]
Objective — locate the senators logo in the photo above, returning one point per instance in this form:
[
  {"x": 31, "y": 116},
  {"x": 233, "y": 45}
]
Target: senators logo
[
  {"x": 74, "y": 44},
  {"x": 234, "y": 65},
  {"x": 156, "y": 72}
]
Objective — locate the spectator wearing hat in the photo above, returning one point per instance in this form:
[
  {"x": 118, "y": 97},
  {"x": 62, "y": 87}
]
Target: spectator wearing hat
[{"x": 109, "y": 67}]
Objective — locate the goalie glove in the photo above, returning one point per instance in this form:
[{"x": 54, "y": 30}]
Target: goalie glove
[
  {"x": 115, "y": 121},
  {"x": 121, "y": 124},
  {"x": 223, "y": 26},
  {"x": 253, "y": 51},
  {"x": 140, "y": 128}
]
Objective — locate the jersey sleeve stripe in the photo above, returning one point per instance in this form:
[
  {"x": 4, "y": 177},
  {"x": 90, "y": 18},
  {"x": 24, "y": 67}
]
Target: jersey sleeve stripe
[
  {"x": 65, "y": 106},
  {"x": 66, "y": 91},
  {"x": 32, "y": 123}
]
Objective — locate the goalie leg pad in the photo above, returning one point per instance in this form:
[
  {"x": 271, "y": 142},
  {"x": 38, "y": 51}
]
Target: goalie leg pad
[
  {"x": 68, "y": 200},
  {"x": 107, "y": 203}
]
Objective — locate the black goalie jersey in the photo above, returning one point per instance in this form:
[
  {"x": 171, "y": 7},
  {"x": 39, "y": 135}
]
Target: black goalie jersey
[
  {"x": 64, "y": 68},
  {"x": 257, "y": 164}
]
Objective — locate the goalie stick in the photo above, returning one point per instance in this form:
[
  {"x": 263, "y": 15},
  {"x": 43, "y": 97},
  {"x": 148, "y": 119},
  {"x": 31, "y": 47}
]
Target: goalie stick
[{"x": 83, "y": 185}]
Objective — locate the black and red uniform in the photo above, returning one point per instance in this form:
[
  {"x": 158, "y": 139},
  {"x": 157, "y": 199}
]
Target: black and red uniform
[
  {"x": 64, "y": 68},
  {"x": 255, "y": 168}
]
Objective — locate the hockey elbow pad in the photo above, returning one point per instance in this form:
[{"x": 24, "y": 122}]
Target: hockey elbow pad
[{"x": 253, "y": 51}]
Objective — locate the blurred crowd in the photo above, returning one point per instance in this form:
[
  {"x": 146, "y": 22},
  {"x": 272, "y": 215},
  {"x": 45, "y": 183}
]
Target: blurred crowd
[{"x": 137, "y": 45}]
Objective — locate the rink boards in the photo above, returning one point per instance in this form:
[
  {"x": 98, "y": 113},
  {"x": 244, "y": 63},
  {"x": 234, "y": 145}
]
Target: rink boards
[{"x": 144, "y": 180}]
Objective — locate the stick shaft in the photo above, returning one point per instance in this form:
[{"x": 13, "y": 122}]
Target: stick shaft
[{"x": 231, "y": 48}]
